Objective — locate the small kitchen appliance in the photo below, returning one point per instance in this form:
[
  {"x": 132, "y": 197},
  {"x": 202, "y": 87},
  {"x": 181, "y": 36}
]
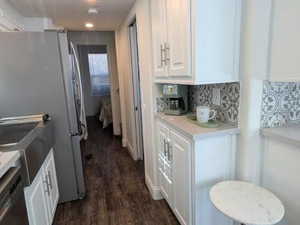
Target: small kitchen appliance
[{"x": 175, "y": 99}]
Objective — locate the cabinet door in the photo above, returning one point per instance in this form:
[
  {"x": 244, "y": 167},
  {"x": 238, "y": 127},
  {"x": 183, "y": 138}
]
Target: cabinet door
[
  {"x": 181, "y": 149},
  {"x": 36, "y": 201},
  {"x": 50, "y": 173},
  {"x": 165, "y": 180},
  {"x": 163, "y": 136},
  {"x": 158, "y": 13},
  {"x": 179, "y": 38},
  {"x": 284, "y": 38}
]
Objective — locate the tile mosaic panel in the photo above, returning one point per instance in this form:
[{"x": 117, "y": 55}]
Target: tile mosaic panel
[
  {"x": 228, "y": 111},
  {"x": 280, "y": 104}
]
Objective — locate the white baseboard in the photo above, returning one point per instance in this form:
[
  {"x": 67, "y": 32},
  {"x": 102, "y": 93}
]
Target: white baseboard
[
  {"x": 131, "y": 152},
  {"x": 124, "y": 142},
  {"x": 154, "y": 190}
]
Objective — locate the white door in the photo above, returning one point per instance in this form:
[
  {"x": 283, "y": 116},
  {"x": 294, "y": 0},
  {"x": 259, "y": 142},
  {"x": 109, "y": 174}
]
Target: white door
[
  {"x": 159, "y": 37},
  {"x": 50, "y": 173},
  {"x": 165, "y": 180},
  {"x": 178, "y": 49},
  {"x": 136, "y": 90},
  {"x": 181, "y": 180},
  {"x": 36, "y": 201}
]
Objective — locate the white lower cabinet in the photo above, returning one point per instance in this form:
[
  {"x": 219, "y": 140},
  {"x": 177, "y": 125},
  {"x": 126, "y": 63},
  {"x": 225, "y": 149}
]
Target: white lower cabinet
[
  {"x": 188, "y": 168},
  {"x": 42, "y": 195},
  {"x": 180, "y": 149}
]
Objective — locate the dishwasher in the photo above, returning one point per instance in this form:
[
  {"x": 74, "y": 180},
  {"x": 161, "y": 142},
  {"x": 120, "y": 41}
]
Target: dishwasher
[{"x": 12, "y": 201}]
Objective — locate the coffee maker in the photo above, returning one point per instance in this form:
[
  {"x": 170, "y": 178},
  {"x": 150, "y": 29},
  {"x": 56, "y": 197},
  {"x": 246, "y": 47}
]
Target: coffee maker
[{"x": 175, "y": 99}]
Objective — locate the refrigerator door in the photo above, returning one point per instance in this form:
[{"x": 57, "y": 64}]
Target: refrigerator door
[
  {"x": 32, "y": 81},
  {"x": 67, "y": 68},
  {"x": 78, "y": 92},
  {"x": 79, "y": 168},
  {"x": 74, "y": 122}
]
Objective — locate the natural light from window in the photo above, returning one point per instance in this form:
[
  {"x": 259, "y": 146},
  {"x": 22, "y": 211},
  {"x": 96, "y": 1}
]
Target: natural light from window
[{"x": 99, "y": 72}]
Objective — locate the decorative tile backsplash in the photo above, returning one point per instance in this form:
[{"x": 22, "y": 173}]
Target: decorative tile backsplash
[
  {"x": 228, "y": 111},
  {"x": 281, "y": 104}
]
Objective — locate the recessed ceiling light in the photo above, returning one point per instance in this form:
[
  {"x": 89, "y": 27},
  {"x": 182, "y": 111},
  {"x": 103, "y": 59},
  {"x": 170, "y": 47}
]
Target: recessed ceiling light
[
  {"x": 93, "y": 11},
  {"x": 89, "y": 25}
]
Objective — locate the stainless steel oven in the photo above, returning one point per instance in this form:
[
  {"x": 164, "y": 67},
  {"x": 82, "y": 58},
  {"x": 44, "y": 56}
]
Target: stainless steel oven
[{"x": 12, "y": 201}]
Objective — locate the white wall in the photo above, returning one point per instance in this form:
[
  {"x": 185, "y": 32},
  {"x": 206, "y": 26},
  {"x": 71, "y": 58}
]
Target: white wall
[
  {"x": 39, "y": 24},
  {"x": 267, "y": 162},
  {"x": 254, "y": 63},
  {"x": 92, "y": 103},
  {"x": 108, "y": 39},
  {"x": 7, "y": 12},
  {"x": 141, "y": 10}
]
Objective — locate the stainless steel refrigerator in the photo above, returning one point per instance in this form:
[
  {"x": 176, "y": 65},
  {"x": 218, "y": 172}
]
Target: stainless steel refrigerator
[{"x": 39, "y": 72}]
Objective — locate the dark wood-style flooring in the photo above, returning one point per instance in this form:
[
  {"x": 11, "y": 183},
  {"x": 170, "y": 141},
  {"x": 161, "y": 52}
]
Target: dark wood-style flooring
[{"x": 116, "y": 191}]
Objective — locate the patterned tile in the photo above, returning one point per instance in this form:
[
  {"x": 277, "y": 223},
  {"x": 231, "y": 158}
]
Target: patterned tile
[
  {"x": 160, "y": 104},
  {"x": 228, "y": 111},
  {"x": 281, "y": 104}
]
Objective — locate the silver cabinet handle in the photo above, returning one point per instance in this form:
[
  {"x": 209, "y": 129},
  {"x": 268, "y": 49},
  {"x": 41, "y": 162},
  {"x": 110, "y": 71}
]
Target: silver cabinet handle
[
  {"x": 169, "y": 151},
  {"x": 168, "y": 144},
  {"x": 167, "y": 53},
  {"x": 164, "y": 147},
  {"x": 47, "y": 186},
  {"x": 50, "y": 179},
  {"x": 162, "y": 55}
]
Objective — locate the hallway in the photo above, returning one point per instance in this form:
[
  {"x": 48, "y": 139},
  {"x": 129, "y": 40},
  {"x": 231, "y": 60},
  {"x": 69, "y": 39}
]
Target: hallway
[{"x": 116, "y": 191}]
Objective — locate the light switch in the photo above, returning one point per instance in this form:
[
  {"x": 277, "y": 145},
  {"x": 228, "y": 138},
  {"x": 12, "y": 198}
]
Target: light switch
[{"x": 216, "y": 98}]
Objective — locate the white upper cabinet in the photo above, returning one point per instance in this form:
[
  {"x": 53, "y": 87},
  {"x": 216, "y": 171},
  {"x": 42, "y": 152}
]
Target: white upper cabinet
[
  {"x": 159, "y": 36},
  {"x": 178, "y": 45},
  {"x": 284, "y": 36},
  {"x": 196, "y": 41}
]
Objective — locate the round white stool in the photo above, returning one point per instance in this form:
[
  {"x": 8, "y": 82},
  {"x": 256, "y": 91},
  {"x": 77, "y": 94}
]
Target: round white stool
[{"x": 247, "y": 203}]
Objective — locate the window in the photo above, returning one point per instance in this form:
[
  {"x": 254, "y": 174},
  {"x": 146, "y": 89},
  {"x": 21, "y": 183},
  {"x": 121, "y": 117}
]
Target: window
[{"x": 100, "y": 80}]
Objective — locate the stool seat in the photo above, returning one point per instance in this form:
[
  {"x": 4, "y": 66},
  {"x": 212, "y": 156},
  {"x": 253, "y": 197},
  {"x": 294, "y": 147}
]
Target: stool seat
[{"x": 247, "y": 203}]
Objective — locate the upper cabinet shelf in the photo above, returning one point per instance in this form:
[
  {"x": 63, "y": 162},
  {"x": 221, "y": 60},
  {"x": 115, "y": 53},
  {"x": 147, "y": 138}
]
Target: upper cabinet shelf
[
  {"x": 284, "y": 36},
  {"x": 196, "y": 41}
]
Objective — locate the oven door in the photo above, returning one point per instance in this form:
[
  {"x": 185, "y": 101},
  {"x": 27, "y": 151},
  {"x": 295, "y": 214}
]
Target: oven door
[{"x": 12, "y": 201}]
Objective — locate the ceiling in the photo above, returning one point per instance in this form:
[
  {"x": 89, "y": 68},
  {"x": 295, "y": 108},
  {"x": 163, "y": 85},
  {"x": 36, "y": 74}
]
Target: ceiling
[{"x": 73, "y": 14}]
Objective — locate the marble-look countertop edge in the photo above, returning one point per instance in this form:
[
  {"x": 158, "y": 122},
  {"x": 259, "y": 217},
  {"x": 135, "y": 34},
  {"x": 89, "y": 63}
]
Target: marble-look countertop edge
[
  {"x": 228, "y": 130},
  {"x": 280, "y": 134}
]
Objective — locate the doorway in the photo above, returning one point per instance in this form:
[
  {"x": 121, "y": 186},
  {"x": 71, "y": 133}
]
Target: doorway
[
  {"x": 96, "y": 82},
  {"x": 136, "y": 89}
]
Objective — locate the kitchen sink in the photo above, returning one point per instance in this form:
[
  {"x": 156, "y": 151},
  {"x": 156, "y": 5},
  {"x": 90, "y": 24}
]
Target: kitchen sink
[
  {"x": 12, "y": 134},
  {"x": 34, "y": 141}
]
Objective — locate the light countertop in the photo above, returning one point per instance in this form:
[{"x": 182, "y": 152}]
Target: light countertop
[
  {"x": 193, "y": 131},
  {"x": 289, "y": 134},
  {"x": 8, "y": 160}
]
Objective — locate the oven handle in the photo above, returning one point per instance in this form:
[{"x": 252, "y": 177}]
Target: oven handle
[
  {"x": 9, "y": 180},
  {"x": 9, "y": 185},
  {"x": 5, "y": 210}
]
